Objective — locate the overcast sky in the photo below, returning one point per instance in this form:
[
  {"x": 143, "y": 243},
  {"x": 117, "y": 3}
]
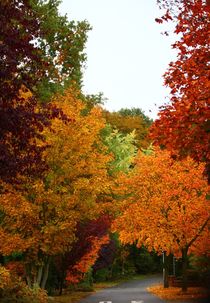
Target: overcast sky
[{"x": 126, "y": 52}]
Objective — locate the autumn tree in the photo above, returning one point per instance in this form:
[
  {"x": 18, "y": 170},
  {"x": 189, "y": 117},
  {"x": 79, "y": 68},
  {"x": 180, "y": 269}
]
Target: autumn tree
[
  {"x": 40, "y": 52},
  {"x": 21, "y": 63},
  {"x": 22, "y": 122},
  {"x": 92, "y": 235},
  {"x": 61, "y": 43},
  {"x": 39, "y": 47},
  {"x": 75, "y": 264},
  {"x": 133, "y": 112},
  {"x": 165, "y": 206},
  {"x": 183, "y": 124},
  {"x": 19, "y": 60},
  {"x": 126, "y": 121},
  {"x": 43, "y": 220}
]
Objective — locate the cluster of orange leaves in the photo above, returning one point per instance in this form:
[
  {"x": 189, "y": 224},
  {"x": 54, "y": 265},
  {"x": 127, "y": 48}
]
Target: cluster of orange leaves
[{"x": 164, "y": 205}]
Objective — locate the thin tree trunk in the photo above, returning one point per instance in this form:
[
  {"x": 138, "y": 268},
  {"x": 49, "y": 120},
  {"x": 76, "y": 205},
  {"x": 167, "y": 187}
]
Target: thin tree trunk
[
  {"x": 1, "y": 259},
  {"x": 165, "y": 270},
  {"x": 39, "y": 275},
  {"x": 184, "y": 269},
  {"x": 28, "y": 275},
  {"x": 28, "y": 280},
  {"x": 63, "y": 275},
  {"x": 123, "y": 268},
  {"x": 45, "y": 274}
]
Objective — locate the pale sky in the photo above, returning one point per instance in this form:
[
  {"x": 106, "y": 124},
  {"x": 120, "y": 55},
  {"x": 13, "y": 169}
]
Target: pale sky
[{"x": 126, "y": 52}]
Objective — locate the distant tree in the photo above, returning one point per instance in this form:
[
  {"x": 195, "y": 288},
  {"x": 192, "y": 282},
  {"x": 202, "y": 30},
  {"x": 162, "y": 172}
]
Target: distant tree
[
  {"x": 135, "y": 111},
  {"x": 123, "y": 148},
  {"x": 127, "y": 123}
]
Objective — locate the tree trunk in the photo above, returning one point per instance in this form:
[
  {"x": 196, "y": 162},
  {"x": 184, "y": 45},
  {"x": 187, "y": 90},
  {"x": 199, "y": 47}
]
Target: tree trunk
[
  {"x": 123, "y": 268},
  {"x": 39, "y": 275},
  {"x": 1, "y": 259},
  {"x": 28, "y": 275},
  {"x": 63, "y": 274},
  {"x": 45, "y": 274},
  {"x": 165, "y": 270},
  {"x": 184, "y": 269}
]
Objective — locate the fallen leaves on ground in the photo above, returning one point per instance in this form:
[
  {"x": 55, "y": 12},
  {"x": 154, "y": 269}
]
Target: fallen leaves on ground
[{"x": 174, "y": 293}]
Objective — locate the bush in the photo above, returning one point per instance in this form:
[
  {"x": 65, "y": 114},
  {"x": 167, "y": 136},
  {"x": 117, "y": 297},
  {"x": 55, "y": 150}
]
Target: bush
[
  {"x": 14, "y": 290},
  {"x": 145, "y": 262},
  {"x": 87, "y": 283},
  {"x": 102, "y": 275},
  {"x": 200, "y": 265}
]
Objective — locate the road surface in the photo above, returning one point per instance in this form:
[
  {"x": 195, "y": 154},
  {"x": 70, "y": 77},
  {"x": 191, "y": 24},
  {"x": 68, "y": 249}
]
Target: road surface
[
  {"x": 128, "y": 292},
  {"x": 131, "y": 292}
]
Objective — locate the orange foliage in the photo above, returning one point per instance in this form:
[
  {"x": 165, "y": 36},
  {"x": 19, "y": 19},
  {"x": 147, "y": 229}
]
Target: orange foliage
[
  {"x": 17, "y": 221},
  {"x": 43, "y": 214},
  {"x": 15, "y": 267},
  {"x": 40, "y": 216},
  {"x": 165, "y": 207},
  {"x": 174, "y": 293}
]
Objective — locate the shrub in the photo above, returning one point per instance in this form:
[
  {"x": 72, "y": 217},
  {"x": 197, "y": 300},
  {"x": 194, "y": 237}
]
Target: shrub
[{"x": 14, "y": 290}]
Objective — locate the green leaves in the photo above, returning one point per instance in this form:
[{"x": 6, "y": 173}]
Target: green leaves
[{"x": 122, "y": 147}]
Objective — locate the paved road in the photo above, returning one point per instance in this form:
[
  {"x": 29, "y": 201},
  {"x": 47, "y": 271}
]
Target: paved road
[{"x": 130, "y": 292}]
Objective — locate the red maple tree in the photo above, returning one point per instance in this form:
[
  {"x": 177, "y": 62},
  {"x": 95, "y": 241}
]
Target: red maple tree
[{"x": 183, "y": 125}]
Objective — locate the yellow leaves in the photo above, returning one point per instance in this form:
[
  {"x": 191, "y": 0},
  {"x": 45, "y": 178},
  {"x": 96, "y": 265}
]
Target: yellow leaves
[
  {"x": 5, "y": 278},
  {"x": 17, "y": 221},
  {"x": 77, "y": 158},
  {"x": 41, "y": 216},
  {"x": 77, "y": 176},
  {"x": 75, "y": 145},
  {"x": 11, "y": 242},
  {"x": 25, "y": 93}
]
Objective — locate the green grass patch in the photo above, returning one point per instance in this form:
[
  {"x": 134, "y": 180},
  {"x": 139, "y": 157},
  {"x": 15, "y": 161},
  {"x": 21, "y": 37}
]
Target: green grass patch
[
  {"x": 101, "y": 285},
  {"x": 72, "y": 297}
]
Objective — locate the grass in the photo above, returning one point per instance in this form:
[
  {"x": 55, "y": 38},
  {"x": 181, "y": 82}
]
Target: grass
[
  {"x": 101, "y": 285},
  {"x": 72, "y": 297}
]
